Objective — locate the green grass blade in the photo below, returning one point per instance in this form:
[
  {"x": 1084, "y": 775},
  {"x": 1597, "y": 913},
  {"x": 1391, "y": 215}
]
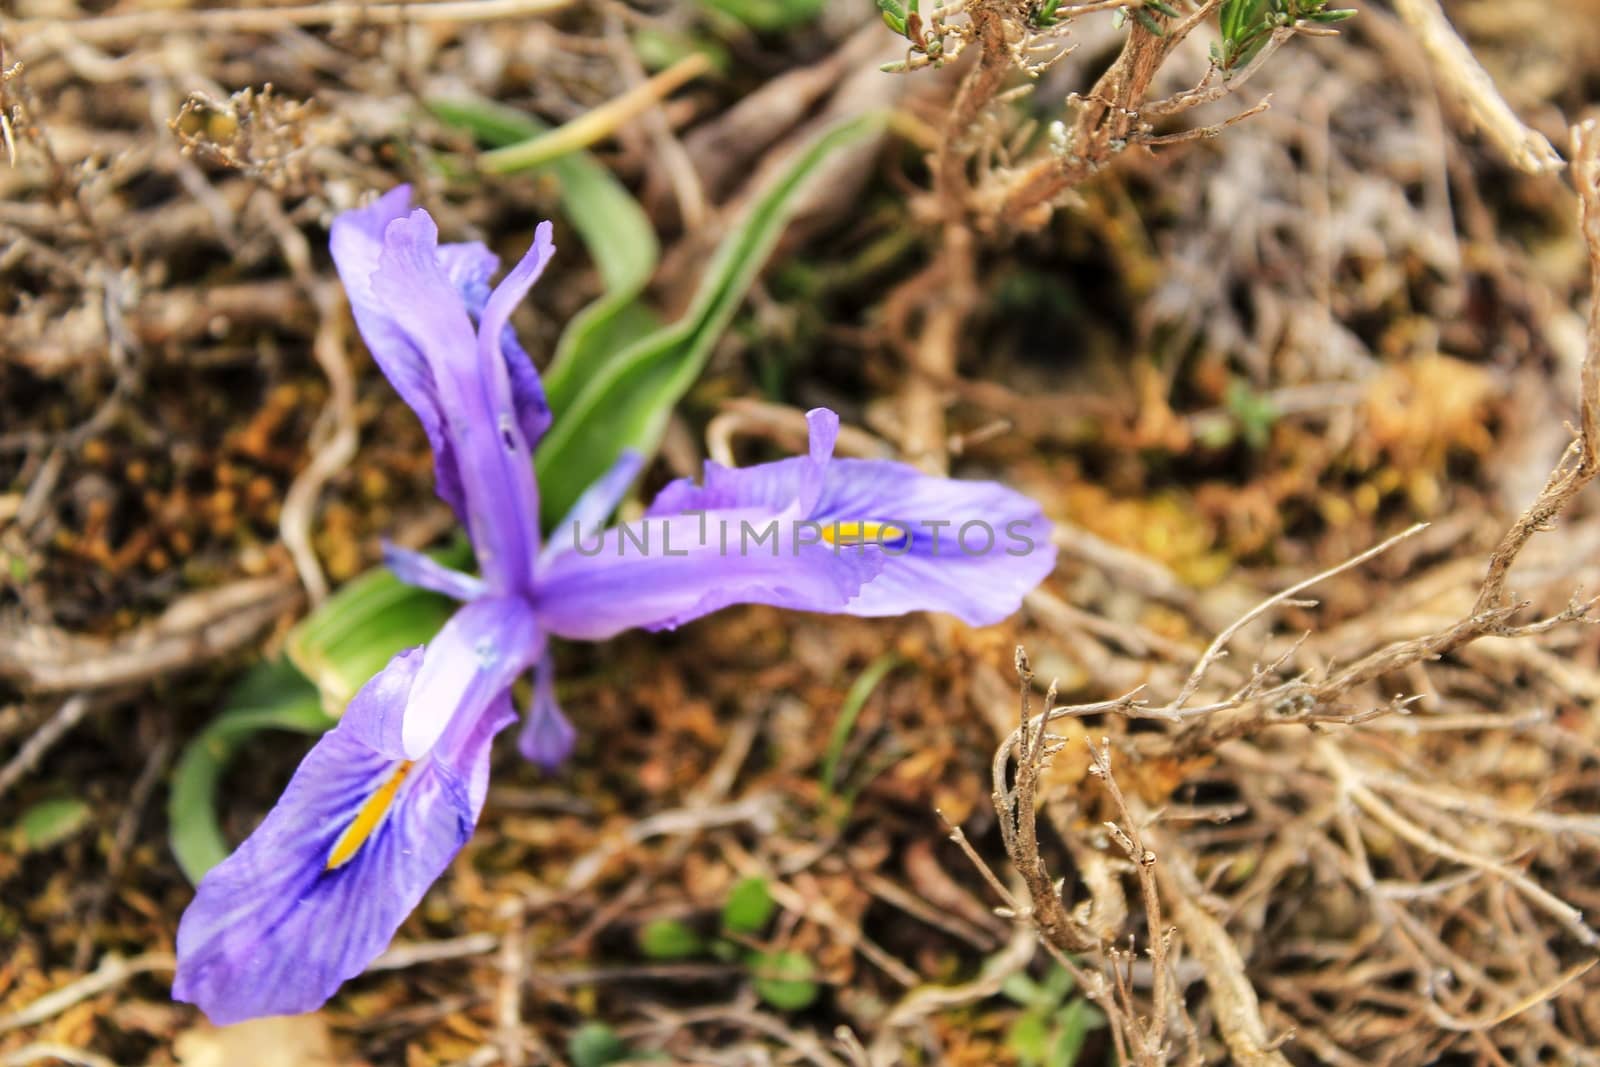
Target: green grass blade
[{"x": 854, "y": 700}]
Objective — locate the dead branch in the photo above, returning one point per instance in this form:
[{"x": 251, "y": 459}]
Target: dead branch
[{"x": 1465, "y": 77}]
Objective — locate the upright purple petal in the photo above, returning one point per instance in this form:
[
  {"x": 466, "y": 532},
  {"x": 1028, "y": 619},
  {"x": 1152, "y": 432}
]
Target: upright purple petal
[
  {"x": 497, "y": 341},
  {"x": 661, "y": 572},
  {"x": 357, "y": 244},
  {"x": 547, "y": 737},
  {"x": 470, "y": 663},
  {"x": 778, "y": 486},
  {"x": 480, "y": 423},
  {"x": 316, "y": 893}
]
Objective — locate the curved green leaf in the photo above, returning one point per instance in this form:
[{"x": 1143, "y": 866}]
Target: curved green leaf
[{"x": 274, "y": 696}]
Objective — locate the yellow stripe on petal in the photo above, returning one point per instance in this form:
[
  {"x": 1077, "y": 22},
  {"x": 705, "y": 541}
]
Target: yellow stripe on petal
[
  {"x": 367, "y": 819},
  {"x": 863, "y": 533}
]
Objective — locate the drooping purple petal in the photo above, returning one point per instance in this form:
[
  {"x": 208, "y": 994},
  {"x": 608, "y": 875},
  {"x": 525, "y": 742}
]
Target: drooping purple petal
[
  {"x": 424, "y": 572},
  {"x": 547, "y": 736},
  {"x": 661, "y": 572},
  {"x": 277, "y": 927},
  {"x": 472, "y": 661},
  {"x": 481, "y": 426},
  {"x": 975, "y": 548}
]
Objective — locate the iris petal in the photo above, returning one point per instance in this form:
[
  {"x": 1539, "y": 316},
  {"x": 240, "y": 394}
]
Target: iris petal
[
  {"x": 357, "y": 242},
  {"x": 476, "y": 657},
  {"x": 780, "y": 485},
  {"x": 975, "y": 548},
  {"x": 547, "y": 736},
  {"x": 273, "y": 929},
  {"x": 494, "y": 331},
  {"x": 424, "y": 572},
  {"x": 589, "y": 514},
  {"x": 416, "y": 302},
  {"x": 664, "y": 571},
  {"x": 480, "y": 423}
]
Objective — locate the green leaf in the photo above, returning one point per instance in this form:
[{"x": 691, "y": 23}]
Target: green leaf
[
  {"x": 766, "y": 16},
  {"x": 659, "y": 49},
  {"x": 1148, "y": 21},
  {"x": 626, "y": 402},
  {"x": 595, "y": 1045},
  {"x": 1022, "y": 989},
  {"x": 783, "y": 979},
  {"x": 749, "y": 907},
  {"x": 669, "y": 939},
  {"x": 1057, "y": 984},
  {"x": 849, "y": 711},
  {"x": 1254, "y": 412},
  {"x": 49, "y": 823},
  {"x": 1029, "y": 1037},
  {"x": 274, "y": 696},
  {"x": 1073, "y": 1025},
  {"x": 355, "y": 632}
]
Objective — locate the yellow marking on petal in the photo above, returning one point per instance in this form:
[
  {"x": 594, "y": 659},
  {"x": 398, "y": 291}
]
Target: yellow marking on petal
[
  {"x": 367, "y": 819},
  {"x": 862, "y": 533}
]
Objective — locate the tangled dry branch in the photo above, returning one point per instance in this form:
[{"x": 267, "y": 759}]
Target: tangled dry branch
[{"x": 1422, "y": 859}]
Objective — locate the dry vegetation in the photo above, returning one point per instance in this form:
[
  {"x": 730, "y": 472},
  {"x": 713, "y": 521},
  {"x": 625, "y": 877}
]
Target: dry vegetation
[{"x": 1339, "y": 347}]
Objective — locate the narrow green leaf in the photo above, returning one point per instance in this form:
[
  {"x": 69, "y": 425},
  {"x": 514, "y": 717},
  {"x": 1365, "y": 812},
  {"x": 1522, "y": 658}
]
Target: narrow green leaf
[
  {"x": 274, "y": 696},
  {"x": 669, "y": 939},
  {"x": 1022, "y": 989},
  {"x": 854, "y": 700},
  {"x": 749, "y": 907},
  {"x": 1029, "y": 1037},
  {"x": 1057, "y": 984},
  {"x": 766, "y": 16},
  {"x": 626, "y": 403},
  {"x": 50, "y": 822},
  {"x": 1073, "y": 1026},
  {"x": 1148, "y": 21}
]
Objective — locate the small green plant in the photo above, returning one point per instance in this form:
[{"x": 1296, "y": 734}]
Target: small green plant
[
  {"x": 783, "y": 979},
  {"x": 49, "y": 823},
  {"x": 1253, "y": 413},
  {"x": 1247, "y": 25},
  {"x": 1053, "y": 1025}
]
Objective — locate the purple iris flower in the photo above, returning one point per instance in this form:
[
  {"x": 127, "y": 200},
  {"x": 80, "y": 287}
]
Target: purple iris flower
[{"x": 383, "y": 802}]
